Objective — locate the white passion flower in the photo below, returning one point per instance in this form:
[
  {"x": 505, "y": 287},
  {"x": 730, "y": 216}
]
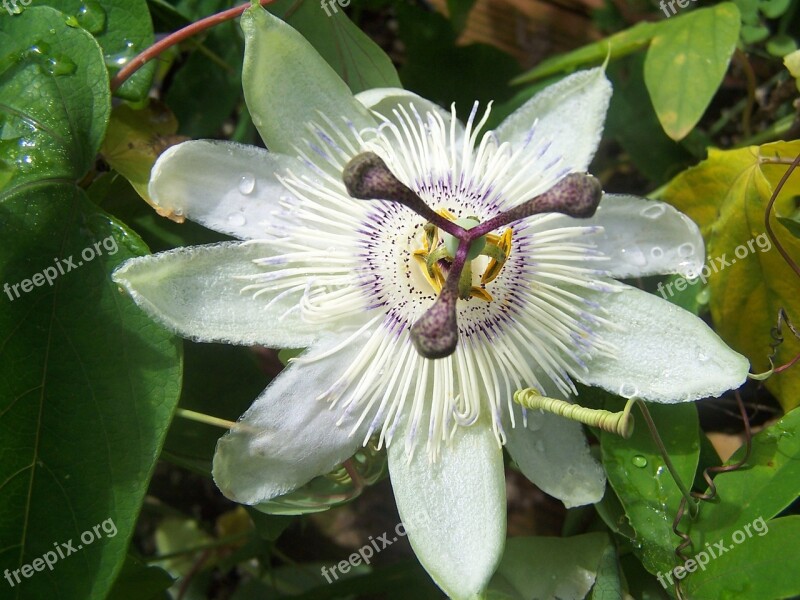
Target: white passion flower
[{"x": 417, "y": 331}]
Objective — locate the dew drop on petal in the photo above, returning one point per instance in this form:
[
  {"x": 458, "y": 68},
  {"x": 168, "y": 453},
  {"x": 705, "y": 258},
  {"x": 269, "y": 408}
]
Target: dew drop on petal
[
  {"x": 247, "y": 183},
  {"x": 639, "y": 461},
  {"x": 634, "y": 256},
  {"x": 236, "y": 219},
  {"x": 702, "y": 357},
  {"x": 686, "y": 250},
  {"x": 654, "y": 211},
  {"x": 656, "y": 252},
  {"x": 628, "y": 390}
]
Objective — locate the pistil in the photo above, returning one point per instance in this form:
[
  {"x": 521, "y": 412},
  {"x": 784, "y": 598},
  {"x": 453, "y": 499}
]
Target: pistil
[{"x": 435, "y": 333}]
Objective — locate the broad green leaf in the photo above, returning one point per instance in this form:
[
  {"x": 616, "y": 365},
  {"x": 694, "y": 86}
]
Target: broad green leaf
[
  {"x": 123, "y": 29},
  {"x": 89, "y": 382},
  {"x": 613, "y": 47},
  {"x": 88, "y": 387},
  {"x": 686, "y": 62},
  {"x": 760, "y": 565},
  {"x": 768, "y": 483},
  {"x": 54, "y": 100},
  {"x": 548, "y": 567},
  {"x": 135, "y": 139},
  {"x": 638, "y": 474},
  {"x": 749, "y": 281},
  {"x": 352, "y": 54}
]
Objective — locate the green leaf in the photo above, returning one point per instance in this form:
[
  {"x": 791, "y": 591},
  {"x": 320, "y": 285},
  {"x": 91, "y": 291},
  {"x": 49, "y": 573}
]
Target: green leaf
[
  {"x": 752, "y": 34},
  {"x": 352, "y": 54},
  {"x": 749, "y": 281},
  {"x": 548, "y": 567},
  {"x": 686, "y": 62},
  {"x": 768, "y": 483},
  {"x": 761, "y": 565},
  {"x": 123, "y": 29},
  {"x": 637, "y": 472},
  {"x": 792, "y": 224},
  {"x": 780, "y": 45},
  {"x": 138, "y": 581},
  {"x": 89, "y": 382},
  {"x": 51, "y": 125},
  {"x": 772, "y": 9},
  {"x": 613, "y": 47},
  {"x": 608, "y": 585},
  {"x": 88, "y": 387}
]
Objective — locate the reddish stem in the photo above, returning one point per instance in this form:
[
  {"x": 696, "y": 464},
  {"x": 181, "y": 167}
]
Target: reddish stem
[{"x": 176, "y": 38}]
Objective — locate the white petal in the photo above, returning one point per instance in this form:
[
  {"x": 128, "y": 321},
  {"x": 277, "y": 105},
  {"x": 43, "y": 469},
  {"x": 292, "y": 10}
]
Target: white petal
[
  {"x": 664, "y": 353},
  {"x": 288, "y": 437},
  {"x": 552, "y": 452},
  {"x": 227, "y": 187},
  {"x": 385, "y": 100},
  {"x": 645, "y": 237},
  {"x": 570, "y": 116},
  {"x": 454, "y": 510},
  {"x": 193, "y": 291}
]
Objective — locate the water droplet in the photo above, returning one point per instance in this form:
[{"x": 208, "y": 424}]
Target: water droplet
[
  {"x": 247, "y": 183},
  {"x": 72, "y": 21},
  {"x": 236, "y": 219},
  {"x": 14, "y": 8},
  {"x": 702, "y": 357},
  {"x": 628, "y": 390},
  {"x": 639, "y": 461},
  {"x": 91, "y": 16},
  {"x": 539, "y": 446},
  {"x": 60, "y": 65},
  {"x": 534, "y": 424},
  {"x": 634, "y": 256},
  {"x": 121, "y": 58},
  {"x": 55, "y": 64},
  {"x": 686, "y": 250},
  {"x": 704, "y": 295},
  {"x": 656, "y": 252},
  {"x": 654, "y": 211}
]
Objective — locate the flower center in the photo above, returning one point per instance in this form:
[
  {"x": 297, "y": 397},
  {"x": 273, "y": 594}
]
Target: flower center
[{"x": 487, "y": 255}]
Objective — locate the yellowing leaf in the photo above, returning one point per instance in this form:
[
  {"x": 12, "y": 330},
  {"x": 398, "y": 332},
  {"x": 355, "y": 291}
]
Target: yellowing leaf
[
  {"x": 686, "y": 62},
  {"x": 135, "y": 139},
  {"x": 727, "y": 195}
]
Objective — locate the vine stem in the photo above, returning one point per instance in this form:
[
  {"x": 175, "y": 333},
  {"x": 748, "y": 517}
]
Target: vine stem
[{"x": 176, "y": 38}]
